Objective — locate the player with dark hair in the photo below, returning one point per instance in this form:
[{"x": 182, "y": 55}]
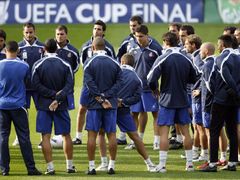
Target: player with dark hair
[
  {"x": 134, "y": 23},
  {"x": 3, "y": 37},
  {"x": 145, "y": 51},
  {"x": 224, "y": 83},
  {"x": 65, "y": 50},
  {"x": 192, "y": 46},
  {"x": 175, "y": 28},
  {"x": 103, "y": 87},
  {"x": 69, "y": 54},
  {"x": 175, "y": 70},
  {"x": 229, "y": 30},
  {"x": 86, "y": 52},
  {"x": 129, "y": 94},
  {"x": 185, "y": 30},
  {"x": 52, "y": 78}
]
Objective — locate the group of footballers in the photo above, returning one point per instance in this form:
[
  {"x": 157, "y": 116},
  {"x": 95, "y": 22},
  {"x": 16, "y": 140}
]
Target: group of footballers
[{"x": 196, "y": 88}]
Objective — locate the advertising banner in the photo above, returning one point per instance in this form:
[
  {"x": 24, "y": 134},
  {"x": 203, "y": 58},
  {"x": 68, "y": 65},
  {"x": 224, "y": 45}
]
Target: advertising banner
[
  {"x": 222, "y": 11},
  {"x": 110, "y": 11}
]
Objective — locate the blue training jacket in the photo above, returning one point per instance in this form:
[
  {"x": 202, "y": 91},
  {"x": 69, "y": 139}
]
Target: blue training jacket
[
  {"x": 175, "y": 70},
  {"x": 86, "y": 50},
  {"x": 144, "y": 58},
  {"x": 52, "y": 78},
  {"x": 206, "y": 95},
  {"x": 198, "y": 65},
  {"x": 102, "y": 77},
  {"x": 69, "y": 54},
  {"x": 125, "y": 45},
  {"x": 131, "y": 89},
  {"x": 12, "y": 88},
  {"x": 225, "y": 79},
  {"x": 30, "y": 54}
]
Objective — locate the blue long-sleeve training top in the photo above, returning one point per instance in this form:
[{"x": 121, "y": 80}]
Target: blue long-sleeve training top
[
  {"x": 102, "y": 77},
  {"x": 86, "y": 50},
  {"x": 144, "y": 58},
  {"x": 206, "y": 95},
  {"x": 131, "y": 89},
  {"x": 225, "y": 80},
  {"x": 52, "y": 78},
  {"x": 69, "y": 54},
  {"x": 12, "y": 88},
  {"x": 30, "y": 54},
  {"x": 175, "y": 70}
]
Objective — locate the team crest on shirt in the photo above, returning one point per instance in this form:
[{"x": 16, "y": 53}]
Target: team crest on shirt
[
  {"x": 151, "y": 54},
  {"x": 24, "y": 55},
  {"x": 69, "y": 55}
]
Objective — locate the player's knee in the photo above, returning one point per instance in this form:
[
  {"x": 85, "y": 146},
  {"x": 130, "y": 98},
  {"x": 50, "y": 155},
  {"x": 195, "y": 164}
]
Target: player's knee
[{"x": 82, "y": 110}]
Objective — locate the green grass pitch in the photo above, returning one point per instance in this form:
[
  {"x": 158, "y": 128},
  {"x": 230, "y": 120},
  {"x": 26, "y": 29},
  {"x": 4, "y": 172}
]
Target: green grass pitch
[{"x": 129, "y": 164}]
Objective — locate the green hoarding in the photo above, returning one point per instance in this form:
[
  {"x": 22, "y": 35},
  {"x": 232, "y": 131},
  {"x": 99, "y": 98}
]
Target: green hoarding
[{"x": 222, "y": 11}]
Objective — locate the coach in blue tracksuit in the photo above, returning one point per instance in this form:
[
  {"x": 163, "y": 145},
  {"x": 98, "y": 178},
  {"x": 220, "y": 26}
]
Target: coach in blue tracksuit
[
  {"x": 52, "y": 78},
  {"x": 102, "y": 77},
  {"x": 175, "y": 70},
  {"x": 86, "y": 52},
  {"x": 13, "y": 71},
  {"x": 225, "y": 85}
]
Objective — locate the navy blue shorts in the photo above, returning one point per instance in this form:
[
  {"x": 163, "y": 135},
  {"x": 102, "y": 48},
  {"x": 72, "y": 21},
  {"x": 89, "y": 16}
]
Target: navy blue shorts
[
  {"x": 84, "y": 97},
  {"x": 147, "y": 103},
  {"x": 206, "y": 119},
  {"x": 125, "y": 121},
  {"x": 197, "y": 113},
  {"x": 171, "y": 116},
  {"x": 61, "y": 120},
  {"x": 30, "y": 94},
  {"x": 101, "y": 118}
]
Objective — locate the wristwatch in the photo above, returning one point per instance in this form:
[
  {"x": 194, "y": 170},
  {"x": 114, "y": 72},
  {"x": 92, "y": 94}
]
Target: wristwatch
[{"x": 99, "y": 99}]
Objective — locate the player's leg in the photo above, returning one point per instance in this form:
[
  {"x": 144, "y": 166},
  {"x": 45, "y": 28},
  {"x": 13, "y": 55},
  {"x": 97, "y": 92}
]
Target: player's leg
[
  {"x": 204, "y": 143},
  {"x": 141, "y": 149},
  {"x": 44, "y": 126},
  {"x": 231, "y": 129},
  {"x": 187, "y": 143},
  {"x": 80, "y": 124},
  {"x": 103, "y": 151},
  {"x": 165, "y": 120},
  {"x": 143, "y": 118},
  {"x": 93, "y": 124},
  {"x": 183, "y": 120},
  {"x": 223, "y": 148},
  {"x": 5, "y": 128},
  {"x": 135, "y": 116},
  {"x": 20, "y": 120},
  {"x": 109, "y": 123},
  {"x": 62, "y": 126},
  {"x": 156, "y": 141},
  {"x": 91, "y": 148}
]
